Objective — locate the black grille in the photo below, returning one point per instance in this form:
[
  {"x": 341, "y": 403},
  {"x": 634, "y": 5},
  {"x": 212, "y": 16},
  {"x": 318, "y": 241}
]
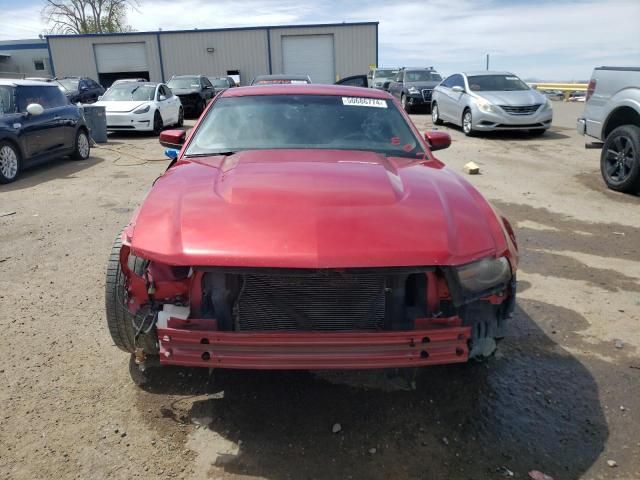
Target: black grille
[
  {"x": 426, "y": 94},
  {"x": 520, "y": 109},
  {"x": 326, "y": 300}
]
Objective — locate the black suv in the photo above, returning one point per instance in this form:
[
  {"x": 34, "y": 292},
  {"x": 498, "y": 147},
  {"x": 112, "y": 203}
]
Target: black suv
[
  {"x": 414, "y": 86},
  {"x": 194, "y": 92},
  {"x": 37, "y": 124},
  {"x": 80, "y": 89}
]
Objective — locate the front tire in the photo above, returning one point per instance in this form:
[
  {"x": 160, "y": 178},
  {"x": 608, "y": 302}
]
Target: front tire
[
  {"x": 157, "y": 123},
  {"x": 10, "y": 162},
  {"x": 620, "y": 159},
  {"x": 82, "y": 148},
  {"x": 435, "y": 114},
  {"x": 405, "y": 104},
  {"x": 180, "y": 121},
  {"x": 467, "y": 123},
  {"x": 201, "y": 107}
]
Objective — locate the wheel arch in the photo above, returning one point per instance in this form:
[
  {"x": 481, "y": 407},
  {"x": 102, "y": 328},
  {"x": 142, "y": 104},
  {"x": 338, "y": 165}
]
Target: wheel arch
[
  {"x": 623, "y": 115},
  {"x": 15, "y": 142}
]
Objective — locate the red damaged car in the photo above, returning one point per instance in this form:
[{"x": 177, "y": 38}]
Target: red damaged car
[{"x": 310, "y": 227}]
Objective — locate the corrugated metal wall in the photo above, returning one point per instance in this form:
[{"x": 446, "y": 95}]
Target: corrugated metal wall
[
  {"x": 244, "y": 50},
  {"x": 75, "y": 55},
  {"x": 355, "y": 47}
]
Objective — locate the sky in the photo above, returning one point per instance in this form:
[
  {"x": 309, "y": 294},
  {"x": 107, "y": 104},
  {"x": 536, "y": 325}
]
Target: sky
[{"x": 537, "y": 39}]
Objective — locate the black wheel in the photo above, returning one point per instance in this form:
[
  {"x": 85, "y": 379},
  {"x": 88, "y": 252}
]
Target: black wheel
[
  {"x": 10, "y": 162},
  {"x": 405, "y": 104},
  {"x": 83, "y": 146},
  {"x": 435, "y": 114},
  {"x": 467, "y": 123},
  {"x": 201, "y": 107},
  {"x": 536, "y": 132},
  {"x": 119, "y": 319},
  {"x": 620, "y": 159},
  {"x": 180, "y": 118},
  {"x": 157, "y": 123}
]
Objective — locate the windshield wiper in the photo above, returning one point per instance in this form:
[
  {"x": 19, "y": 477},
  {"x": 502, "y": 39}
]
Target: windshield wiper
[{"x": 212, "y": 154}]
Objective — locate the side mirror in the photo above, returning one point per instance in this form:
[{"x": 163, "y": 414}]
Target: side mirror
[
  {"x": 162, "y": 98},
  {"x": 437, "y": 140},
  {"x": 35, "y": 109},
  {"x": 173, "y": 138},
  {"x": 457, "y": 89}
]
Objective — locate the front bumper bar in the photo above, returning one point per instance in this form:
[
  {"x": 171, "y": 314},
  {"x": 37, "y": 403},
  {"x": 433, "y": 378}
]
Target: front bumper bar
[{"x": 193, "y": 343}]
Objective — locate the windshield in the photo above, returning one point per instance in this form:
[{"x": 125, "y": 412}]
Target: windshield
[
  {"x": 496, "y": 83},
  {"x": 304, "y": 121},
  {"x": 219, "y": 82},
  {"x": 69, "y": 84},
  {"x": 125, "y": 92},
  {"x": 422, "y": 76},
  {"x": 385, "y": 73},
  {"x": 184, "y": 82},
  {"x": 7, "y": 104}
]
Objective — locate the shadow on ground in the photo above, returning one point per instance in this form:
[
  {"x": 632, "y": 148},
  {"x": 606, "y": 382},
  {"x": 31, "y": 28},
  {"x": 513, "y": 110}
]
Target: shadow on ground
[
  {"x": 532, "y": 406},
  {"x": 53, "y": 170}
]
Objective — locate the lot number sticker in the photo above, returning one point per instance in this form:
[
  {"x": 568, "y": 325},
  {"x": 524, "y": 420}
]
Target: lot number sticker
[{"x": 364, "y": 102}]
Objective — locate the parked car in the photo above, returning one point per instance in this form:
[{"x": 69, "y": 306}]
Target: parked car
[
  {"x": 379, "y": 76},
  {"x": 413, "y": 87},
  {"x": 556, "y": 95},
  {"x": 147, "y": 107},
  {"x": 194, "y": 92},
  {"x": 37, "y": 124},
  {"x": 127, "y": 80},
  {"x": 281, "y": 79},
  {"x": 80, "y": 89},
  {"x": 220, "y": 84},
  {"x": 354, "y": 81},
  {"x": 484, "y": 100},
  {"x": 296, "y": 272},
  {"x": 39, "y": 79},
  {"x": 611, "y": 120}
]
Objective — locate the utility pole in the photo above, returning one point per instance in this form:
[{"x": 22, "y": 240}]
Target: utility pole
[{"x": 487, "y": 61}]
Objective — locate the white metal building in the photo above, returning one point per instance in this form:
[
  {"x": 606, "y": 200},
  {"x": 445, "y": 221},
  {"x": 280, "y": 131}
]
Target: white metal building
[
  {"x": 325, "y": 52},
  {"x": 24, "y": 58}
]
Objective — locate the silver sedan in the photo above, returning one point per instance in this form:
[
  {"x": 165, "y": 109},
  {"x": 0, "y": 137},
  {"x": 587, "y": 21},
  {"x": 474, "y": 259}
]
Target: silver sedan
[{"x": 483, "y": 101}]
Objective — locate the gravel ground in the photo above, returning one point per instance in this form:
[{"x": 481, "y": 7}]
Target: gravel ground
[{"x": 562, "y": 395}]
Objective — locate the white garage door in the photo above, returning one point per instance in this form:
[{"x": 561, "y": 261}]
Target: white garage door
[
  {"x": 121, "y": 57},
  {"x": 309, "y": 55}
]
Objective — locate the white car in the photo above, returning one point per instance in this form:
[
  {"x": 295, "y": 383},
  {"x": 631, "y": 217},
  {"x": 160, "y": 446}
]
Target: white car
[{"x": 141, "y": 106}]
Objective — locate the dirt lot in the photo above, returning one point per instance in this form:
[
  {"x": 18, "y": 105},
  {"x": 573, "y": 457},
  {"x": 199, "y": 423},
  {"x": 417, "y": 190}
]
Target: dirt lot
[{"x": 562, "y": 395}]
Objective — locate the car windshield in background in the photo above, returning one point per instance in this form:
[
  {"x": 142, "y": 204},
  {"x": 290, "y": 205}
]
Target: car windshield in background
[
  {"x": 304, "y": 121},
  {"x": 422, "y": 76},
  {"x": 219, "y": 82},
  {"x": 125, "y": 92},
  {"x": 184, "y": 82},
  {"x": 69, "y": 84},
  {"x": 386, "y": 73},
  {"x": 496, "y": 83},
  {"x": 7, "y": 104}
]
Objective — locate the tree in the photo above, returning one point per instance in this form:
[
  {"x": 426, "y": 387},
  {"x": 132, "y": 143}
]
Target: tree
[{"x": 87, "y": 16}]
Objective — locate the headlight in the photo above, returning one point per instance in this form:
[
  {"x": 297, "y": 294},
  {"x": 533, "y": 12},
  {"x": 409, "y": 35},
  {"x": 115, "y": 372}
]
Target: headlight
[
  {"x": 485, "y": 106},
  {"x": 413, "y": 90},
  {"x": 547, "y": 105},
  {"x": 143, "y": 109},
  {"x": 484, "y": 274}
]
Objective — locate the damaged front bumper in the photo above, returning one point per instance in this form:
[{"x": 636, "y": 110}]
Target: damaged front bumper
[{"x": 198, "y": 343}]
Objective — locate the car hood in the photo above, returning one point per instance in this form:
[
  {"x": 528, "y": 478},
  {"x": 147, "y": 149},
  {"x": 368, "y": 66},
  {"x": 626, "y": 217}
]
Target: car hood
[
  {"x": 185, "y": 91},
  {"x": 520, "y": 97},
  {"x": 420, "y": 85},
  {"x": 313, "y": 209},
  {"x": 113, "y": 106}
]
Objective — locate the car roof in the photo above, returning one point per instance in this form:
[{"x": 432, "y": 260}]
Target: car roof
[
  {"x": 8, "y": 82},
  {"x": 139, "y": 84},
  {"x": 307, "y": 89},
  {"x": 485, "y": 72},
  {"x": 183, "y": 76}
]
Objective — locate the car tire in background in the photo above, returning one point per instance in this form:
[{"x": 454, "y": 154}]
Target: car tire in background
[
  {"x": 180, "y": 121},
  {"x": 119, "y": 319},
  {"x": 82, "y": 148},
  {"x": 620, "y": 159},
  {"x": 10, "y": 162},
  {"x": 467, "y": 123},
  {"x": 157, "y": 123},
  {"x": 405, "y": 104},
  {"x": 435, "y": 114},
  {"x": 202, "y": 105}
]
